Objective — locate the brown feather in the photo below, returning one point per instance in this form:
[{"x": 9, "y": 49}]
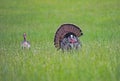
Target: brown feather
[{"x": 65, "y": 29}]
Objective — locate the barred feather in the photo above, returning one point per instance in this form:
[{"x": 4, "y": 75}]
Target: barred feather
[{"x": 63, "y": 30}]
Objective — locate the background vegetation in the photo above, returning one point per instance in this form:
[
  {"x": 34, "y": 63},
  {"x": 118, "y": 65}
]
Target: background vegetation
[{"x": 98, "y": 60}]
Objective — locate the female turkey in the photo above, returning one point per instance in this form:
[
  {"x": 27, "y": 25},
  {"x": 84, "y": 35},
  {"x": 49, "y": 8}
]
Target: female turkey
[
  {"x": 66, "y": 37},
  {"x": 25, "y": 43}
]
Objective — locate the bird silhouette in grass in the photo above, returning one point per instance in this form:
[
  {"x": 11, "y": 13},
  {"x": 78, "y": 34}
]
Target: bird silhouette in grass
[{"x": 25, "y": 43}]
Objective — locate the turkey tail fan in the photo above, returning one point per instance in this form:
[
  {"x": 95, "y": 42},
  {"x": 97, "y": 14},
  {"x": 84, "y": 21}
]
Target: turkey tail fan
[{"x": 65, "y": 30}]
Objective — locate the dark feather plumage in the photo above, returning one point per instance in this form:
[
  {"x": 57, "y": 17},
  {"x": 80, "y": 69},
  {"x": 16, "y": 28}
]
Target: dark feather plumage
[
  {"x": 65, "y": 31},
  {"x": 25, "y": 43}
]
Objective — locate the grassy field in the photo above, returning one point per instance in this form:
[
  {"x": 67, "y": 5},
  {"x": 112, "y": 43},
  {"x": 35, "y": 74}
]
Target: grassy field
[{"x": 98, "y": 60}]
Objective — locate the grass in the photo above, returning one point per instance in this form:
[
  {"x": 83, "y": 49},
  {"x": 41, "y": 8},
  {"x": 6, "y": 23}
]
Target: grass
[{"x": 98, "y": 60}]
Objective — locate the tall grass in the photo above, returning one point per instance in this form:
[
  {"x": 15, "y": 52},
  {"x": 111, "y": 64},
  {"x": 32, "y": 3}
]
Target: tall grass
[{"x": 98, "y": 60}]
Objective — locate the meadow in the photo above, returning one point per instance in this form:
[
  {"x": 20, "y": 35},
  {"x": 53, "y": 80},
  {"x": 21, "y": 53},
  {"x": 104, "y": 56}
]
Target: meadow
[{"x": 98, "y": 60}]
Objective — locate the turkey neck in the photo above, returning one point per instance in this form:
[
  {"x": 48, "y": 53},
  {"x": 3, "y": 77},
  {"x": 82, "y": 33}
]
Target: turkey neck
[{"x": 24, "y": 38}]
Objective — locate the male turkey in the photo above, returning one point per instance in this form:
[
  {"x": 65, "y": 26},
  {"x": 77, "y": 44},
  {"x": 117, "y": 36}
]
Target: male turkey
[
  {"x": 66, "y": 37},
  {"x": 25, "y": 43}
]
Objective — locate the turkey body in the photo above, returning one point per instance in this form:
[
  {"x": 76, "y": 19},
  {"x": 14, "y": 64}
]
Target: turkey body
[
  {"x": 25, "y": 43},
  {"x": 66, "y": 37},
  {"x": 69, "y": 43}
]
